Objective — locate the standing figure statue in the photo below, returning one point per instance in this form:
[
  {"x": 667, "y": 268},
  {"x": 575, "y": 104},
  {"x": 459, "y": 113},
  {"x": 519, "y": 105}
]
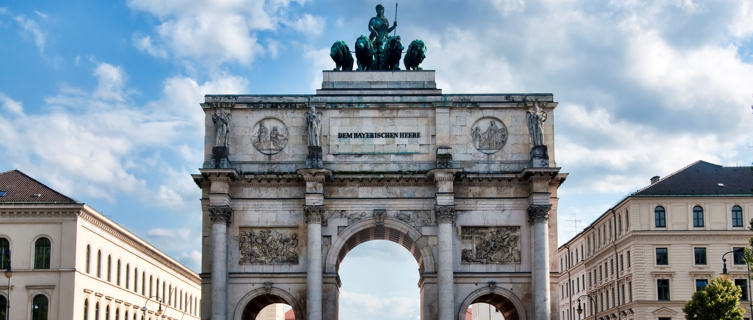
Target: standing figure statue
[
  {"x": 221, "y": 121},
  {"x": 536, "y": 118},
  {"x": 379, "y": 28},
  {"x": 313, "y": 127}
]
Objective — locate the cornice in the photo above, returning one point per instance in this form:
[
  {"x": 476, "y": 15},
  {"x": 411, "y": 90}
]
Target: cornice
[
  {"x": 376, "y": 180},
  {"x": 139, "y": 245}
]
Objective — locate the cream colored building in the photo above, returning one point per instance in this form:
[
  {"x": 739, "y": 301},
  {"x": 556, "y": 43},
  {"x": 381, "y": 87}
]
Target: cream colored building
[
  {"x": 644, "y": 257},
  {"x": 68, "y": 261}
]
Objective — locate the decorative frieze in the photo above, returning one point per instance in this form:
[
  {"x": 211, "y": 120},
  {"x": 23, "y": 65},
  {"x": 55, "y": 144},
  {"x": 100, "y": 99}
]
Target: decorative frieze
[
  {"x": 219, "y": 214},
  {"x": 313, "y": 214},
  {"x": 538, "y": 212},
  {"x": 490, "y": 245},
  {"x": 445, "y": 214},
  {"x": 268, "y": 246},
  {"x": 416, "y": 218}
]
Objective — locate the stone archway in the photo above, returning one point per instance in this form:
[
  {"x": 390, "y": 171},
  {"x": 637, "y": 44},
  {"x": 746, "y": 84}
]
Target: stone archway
[
  {"x": 251, "y": 304},
  {"x": 389, "y": 229},
  {"x": 504, "y": 300}
]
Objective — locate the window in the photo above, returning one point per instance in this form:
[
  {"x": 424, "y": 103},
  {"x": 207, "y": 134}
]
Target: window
[
  {"x": 143, "y": 284},
  {"x": 737, "y": 216},
  {"x": 109, "y": 270},
  {"x": 135, "y": 279},
  {"x": 107, "y": 313},
  {"x": 662, "y": 289},
  {"x": 117, "y": 314},
  {"x": 96, "y": 311},
  {"x": 4, "y": 254},
  {"x": 88, "y": 258},
  {"x": 3, "y": 308},
  {"x": 659, "y": 217},
  {"x": 42, "y": 257},
  {"x": 700, "y": 255},
  {"x": 39, "y": 307},
  {"x": 701, "y": 284},
  {"x": 743, "y": 284},
  {"x": 99, "y": 263},
  {"x": 86, "y": 309},
  {"x": 128, "y": 273},
  {"x": 697, "y": 217},
  {"x": 738, "y": 255},
  {"x": 117, "y": 275},
  {"x": 662, "y": 256},
  {"x": 628, "y": 258}
]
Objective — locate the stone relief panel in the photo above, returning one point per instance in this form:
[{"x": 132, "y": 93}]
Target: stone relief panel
[
  {"x": 416, "y": 218},
  {"x": 269, "y": 136},
  {"x": 268, "y": 246},
  {"x": 489, "y": 134},
  {"x": 490, "y": 245}
]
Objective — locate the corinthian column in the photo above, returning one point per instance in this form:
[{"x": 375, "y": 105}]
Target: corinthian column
[
  {"x": 313, "y": 216},
  {"x": 220, "y": 217},
  {"x": 538, "y": 215},
  {"x": 445, "y": 276}
]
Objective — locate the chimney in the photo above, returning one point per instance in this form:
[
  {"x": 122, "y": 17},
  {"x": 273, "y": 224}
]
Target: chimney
[{"x": 655, "y": 179}]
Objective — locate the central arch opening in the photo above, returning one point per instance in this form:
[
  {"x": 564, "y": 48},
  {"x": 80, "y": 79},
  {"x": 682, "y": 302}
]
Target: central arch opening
[
  {"x": 268, "y": 307},
  {"x": 379, "y": 278},
  {"x": 491, "y": 307}
]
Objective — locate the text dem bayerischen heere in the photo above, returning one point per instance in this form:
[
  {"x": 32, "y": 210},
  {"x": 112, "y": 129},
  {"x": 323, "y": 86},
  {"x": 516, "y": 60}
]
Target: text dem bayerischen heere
[{"x": 375, "y": 135}]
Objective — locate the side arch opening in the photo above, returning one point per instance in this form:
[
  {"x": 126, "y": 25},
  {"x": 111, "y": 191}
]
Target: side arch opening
[
  {"x": 252, "y": 304},
  {"x": 503, "y": 300}
]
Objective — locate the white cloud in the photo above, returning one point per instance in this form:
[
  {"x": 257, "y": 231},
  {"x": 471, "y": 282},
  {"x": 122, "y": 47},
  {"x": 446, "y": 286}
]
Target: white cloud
[
  {"x": 110, "y": 82},
  {"x": 179, "y": 242},
  {"x": 11, "y": 105},
  {"x": 30, "y": 27},
  {"x": 216, "y": 32},
  {"x": 144, "y": 44}
]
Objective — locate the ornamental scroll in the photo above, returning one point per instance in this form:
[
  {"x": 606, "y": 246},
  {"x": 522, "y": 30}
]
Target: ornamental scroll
[
  {"x": 266, "y": 246},
  {"x": 491, "y": 245}
]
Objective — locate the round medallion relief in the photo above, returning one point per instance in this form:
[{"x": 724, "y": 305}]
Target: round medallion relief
[
  {"x": 269, "y": 136},
  {"x": 489, "y": 134}
]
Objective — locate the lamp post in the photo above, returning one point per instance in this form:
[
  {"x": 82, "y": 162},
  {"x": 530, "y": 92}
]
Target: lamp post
[
  {"x": 160, "y": 301},
  {"x": 725, "y": 275},
  {"x": 580, "y": 308}
]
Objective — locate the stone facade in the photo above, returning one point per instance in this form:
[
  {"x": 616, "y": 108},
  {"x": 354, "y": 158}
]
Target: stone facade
[
  {"x": 616, "y": 265},
  {"x": 93, "y": 268},
  {"x": 398, "y": 160}
]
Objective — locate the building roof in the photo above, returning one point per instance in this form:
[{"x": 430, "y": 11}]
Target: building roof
[
  {"x": 702, "y": 179},
  {"x": 17, "y": 187}
]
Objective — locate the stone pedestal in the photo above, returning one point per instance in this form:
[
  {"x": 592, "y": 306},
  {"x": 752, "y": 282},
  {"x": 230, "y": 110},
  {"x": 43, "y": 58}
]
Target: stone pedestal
[
  {"x": 314, "y": 157},
  {"x": 539, "y": 157},
  {"x": 219, "y": 158}
]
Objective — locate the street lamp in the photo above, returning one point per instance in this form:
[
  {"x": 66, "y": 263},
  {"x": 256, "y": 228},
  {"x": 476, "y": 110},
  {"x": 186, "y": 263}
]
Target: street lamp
[
  {"x": 725, "y": 274},
  {"x": 160, "y": 301},
  {"x": 580, "y": 308}
]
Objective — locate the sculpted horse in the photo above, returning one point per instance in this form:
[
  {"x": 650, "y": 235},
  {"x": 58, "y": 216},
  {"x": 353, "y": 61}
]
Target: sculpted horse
[
  {"x": 364, "y": 53},
  {"x": 415, "y": 55},
  {"x": 392, "y": 52},
  {"x": 340, "y": 53}
]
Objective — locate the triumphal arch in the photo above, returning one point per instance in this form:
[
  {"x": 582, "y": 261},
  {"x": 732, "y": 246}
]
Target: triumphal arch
[{"x": 467, "y": 183}]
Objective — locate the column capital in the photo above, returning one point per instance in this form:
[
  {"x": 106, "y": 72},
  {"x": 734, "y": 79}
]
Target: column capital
[
  {"x": 314, "y": 175},
  {"x": 538, "y": 212},
  {"x": 445, "y": 214},
  {"x": 313, "y": 214},
  {"x": 219, "y": 214}
]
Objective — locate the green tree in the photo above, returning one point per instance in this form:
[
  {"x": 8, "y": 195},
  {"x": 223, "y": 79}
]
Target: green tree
[{"x": 719, "y": 301}]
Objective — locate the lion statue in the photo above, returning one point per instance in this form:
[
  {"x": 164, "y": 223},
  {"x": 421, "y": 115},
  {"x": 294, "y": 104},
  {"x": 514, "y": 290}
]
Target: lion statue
[
  {"x": 364, "y": 53},
  {"x": 340, "y": 53},
  {"x": 392, "y": 52},
  {"x": 415, "y": 55}
]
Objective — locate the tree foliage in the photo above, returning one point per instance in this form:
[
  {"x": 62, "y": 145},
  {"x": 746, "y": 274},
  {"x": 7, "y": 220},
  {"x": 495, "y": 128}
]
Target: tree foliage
[{"x": 719, "y": 301}]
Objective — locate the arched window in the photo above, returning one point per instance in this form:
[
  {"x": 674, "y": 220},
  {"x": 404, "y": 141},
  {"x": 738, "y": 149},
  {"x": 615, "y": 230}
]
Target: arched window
[
  {"x": 697, "y": 217},
  {"x": 151, "y": 287},
  {"x": 125, "y": 317},
  {"x": 117, "y": 313},
  {"x": 660, "y": 220},
  {"x": 96, "y": 311},
  {"x": 143, "y": 282},
  {"x": 3, "y": 307},
  {"x": 107, "y": 313},
  {"x": 4, "y": 254},
  {"x": 88, "y": 258},
  {"x": 86, "y": 309},
  {"x": 109, "y": 270},
  {"x": 99, "y": 263},
  {"x": 128, "y": 272},
  {"x": 737, "y": 216},
  {"x": 135, "y": 279},
  {"x": 42, "y": 248},
  {"x": 117, "y": 275},
  {"x": 39, "y": 307}
]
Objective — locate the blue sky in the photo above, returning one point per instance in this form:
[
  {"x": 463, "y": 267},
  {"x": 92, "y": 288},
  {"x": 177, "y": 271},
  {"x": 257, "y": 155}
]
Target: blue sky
[{"x": 99, "y": 99}]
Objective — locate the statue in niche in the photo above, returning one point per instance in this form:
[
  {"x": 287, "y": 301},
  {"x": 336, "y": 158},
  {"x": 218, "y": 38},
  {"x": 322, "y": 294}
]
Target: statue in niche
[
  {"x": 536, "y": 118},
  {"x": 221, "y": 121},
  {"x": 313, "y": 127}
]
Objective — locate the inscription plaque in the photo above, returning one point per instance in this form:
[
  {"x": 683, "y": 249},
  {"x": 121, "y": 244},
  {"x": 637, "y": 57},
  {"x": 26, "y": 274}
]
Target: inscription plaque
[{"x": 379, "y": 135}]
